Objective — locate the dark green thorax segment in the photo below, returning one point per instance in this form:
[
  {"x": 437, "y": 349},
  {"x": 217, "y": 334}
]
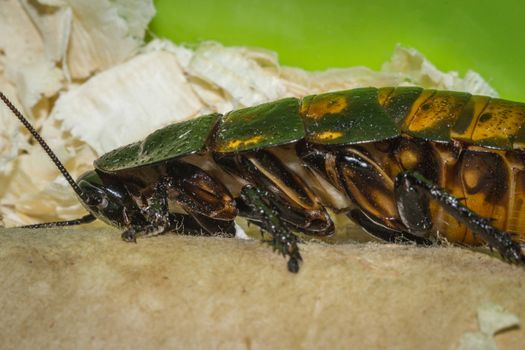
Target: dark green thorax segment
[
  {"x": 269, "y": 124},
  {"x": 347, "y": 117},
  {"x": 399, "y": 102},
  {"x": 172, "y": 141}
]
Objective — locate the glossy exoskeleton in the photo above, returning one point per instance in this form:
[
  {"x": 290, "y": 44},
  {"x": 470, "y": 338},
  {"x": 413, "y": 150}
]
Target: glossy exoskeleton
[{"x": 405, "y": 163}]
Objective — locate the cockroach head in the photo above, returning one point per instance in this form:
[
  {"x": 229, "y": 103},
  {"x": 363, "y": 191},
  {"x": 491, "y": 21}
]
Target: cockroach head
[{"x": 107, "y": 201}]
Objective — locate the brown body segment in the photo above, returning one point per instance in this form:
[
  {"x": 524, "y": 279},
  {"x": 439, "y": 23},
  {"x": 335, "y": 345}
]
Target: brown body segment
[
  {"x": 488, "y": 171},
  {"x": 491, "y": 183},
  {"x": 468, "y": 119},
  {"x": 499, "y": 124},
  {"x": 445, "y": 224},
  {"x": 516, "y": 187},
  {"x": 486, "y": 167},
  {"x": 435, "y": 117},
  {"x": 485, "y": 178},
  {"x": 443, "y": 116}
]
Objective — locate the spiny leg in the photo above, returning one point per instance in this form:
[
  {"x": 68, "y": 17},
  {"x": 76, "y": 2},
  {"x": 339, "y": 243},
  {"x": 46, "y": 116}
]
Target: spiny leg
[
  {"x": 179, "y": 223},
  {"x": 413, "y": 192},
  {"x": 155, "y": 213},
  {"x": 208, "y": 204},
  {"x": 283, "y": 240},
  {"x": 159, "y": 220},
  {"x": 299, "y": 207}
]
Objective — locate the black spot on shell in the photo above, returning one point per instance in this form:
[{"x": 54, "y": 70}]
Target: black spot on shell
[{"x": 485, "y": 117}]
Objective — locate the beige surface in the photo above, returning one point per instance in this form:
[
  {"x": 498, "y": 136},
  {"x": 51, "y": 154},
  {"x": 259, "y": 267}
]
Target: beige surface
[{"x": 84, "y": 288}]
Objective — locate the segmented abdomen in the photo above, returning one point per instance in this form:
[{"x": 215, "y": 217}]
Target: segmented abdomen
[
  {"x": 470, "y": 145},
  {"x": 490, "y": 182}
]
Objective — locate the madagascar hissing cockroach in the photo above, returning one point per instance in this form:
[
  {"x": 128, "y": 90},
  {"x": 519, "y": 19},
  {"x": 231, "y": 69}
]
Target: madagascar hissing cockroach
[{"x": 405, "y": 163}]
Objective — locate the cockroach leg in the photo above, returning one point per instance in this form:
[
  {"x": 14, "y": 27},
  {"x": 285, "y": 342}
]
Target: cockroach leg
[
  {"x": 413, "y": 192},
  {"x": 283, "y": 240},
  {"x": 385, "y": 233}
]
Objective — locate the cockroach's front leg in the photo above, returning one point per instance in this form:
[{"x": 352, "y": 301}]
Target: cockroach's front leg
[
  {"x": 413, "y": 192},
  {"x": 209, "y": 206},
  {"x": 283, "y": 240},
  {"x": 156, "y": 215},
  {"x": 158, "y": 219},
  {"x": 204, "y": 198}
]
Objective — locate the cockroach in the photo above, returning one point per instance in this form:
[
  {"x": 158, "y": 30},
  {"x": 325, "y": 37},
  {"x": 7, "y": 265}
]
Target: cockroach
[{"x": 405, "y": 163}]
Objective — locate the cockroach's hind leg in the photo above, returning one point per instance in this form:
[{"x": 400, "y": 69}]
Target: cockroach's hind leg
[
  {"x": 283, "y": 240},
  {"x": 413, "y": 192},
  {"x": 384, "y": 233}
]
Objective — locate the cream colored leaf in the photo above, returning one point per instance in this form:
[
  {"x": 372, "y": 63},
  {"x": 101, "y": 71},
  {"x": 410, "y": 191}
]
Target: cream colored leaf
[
  {"x": 11, "y": 140},
  {"x": 125, "y": 103},
  {"x": 183, "y": 54},
  {"x": 477, "y": 341},
  {"x": 26, "y": 64},
  {"x": 105, "y": 33},
  {"x": 37, "y": 80},
  {"x": 52, "y": 20},
  {"x": 493, "y": 318},
  {"x": 53, "y": 2},
  {"x": 44, "y": 197},
  {"x": 414, "y": 67},
  {"x": 236, "y": 73},
  {"x": 300, "y": 82}
]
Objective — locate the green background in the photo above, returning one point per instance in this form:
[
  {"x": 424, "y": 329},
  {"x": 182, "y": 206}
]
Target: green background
[{"x": 486, "y": 36}]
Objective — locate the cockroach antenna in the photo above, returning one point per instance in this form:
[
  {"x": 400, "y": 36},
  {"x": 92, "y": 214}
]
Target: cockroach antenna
[{"x": 83, "y": 196}]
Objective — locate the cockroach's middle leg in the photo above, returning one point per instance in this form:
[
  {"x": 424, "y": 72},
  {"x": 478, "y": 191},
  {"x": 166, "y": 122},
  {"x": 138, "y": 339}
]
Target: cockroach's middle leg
[{"x": 267, "y": 216}]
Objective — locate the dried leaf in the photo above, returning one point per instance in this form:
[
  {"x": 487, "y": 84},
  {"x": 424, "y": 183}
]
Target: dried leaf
[
  {"x": 126, "y": 102},
  {"x": 418, "y": 70},
  {"x": 105, "y": 33}
]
